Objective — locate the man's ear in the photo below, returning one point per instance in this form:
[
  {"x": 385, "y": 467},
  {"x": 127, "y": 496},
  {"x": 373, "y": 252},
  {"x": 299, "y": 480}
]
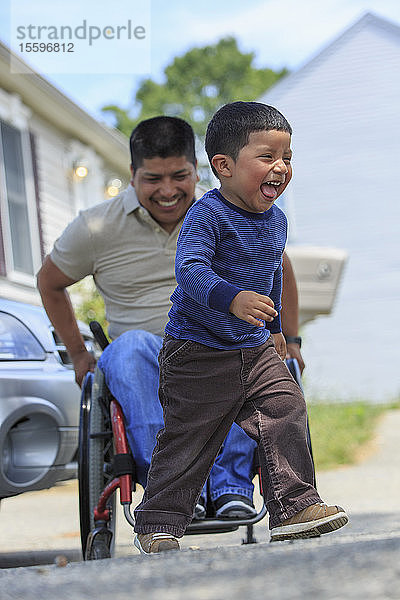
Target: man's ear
[
  {"x": 133, "y": 175},
  {"x": 222, "y": 163}
]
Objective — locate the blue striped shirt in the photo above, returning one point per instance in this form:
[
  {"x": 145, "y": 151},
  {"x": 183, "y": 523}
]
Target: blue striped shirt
[{"x": 222, "y": 250}]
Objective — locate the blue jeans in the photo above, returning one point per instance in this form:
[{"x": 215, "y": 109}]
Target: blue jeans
[{"x": 131, "y": 371}]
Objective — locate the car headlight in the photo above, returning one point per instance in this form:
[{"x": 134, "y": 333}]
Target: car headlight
[{"x": 17, "y": 342}]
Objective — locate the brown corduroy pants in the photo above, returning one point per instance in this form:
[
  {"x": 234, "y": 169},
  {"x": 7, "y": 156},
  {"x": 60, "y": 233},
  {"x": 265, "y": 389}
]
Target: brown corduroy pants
[{"x": 203, "y": 391}]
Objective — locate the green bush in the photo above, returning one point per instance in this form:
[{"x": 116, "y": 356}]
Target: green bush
[{"x": 87, "y": 302}]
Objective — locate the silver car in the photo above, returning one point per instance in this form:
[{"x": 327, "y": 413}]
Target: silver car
[{"x": 39, "y": 401}]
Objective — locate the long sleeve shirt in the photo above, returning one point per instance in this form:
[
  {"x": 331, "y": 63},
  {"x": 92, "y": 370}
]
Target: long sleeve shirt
[{"x": 223, "y": 250}]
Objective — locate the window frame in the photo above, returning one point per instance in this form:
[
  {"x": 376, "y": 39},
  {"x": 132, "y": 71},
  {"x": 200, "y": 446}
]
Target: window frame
[{"x": 12, "y": 273}]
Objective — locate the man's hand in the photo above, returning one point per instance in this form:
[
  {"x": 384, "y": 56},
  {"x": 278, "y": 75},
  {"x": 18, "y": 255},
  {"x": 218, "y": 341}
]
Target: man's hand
[
  {"x": 293, "y": 351},
  {"x": 83, "y": 362},
  {"x": 253, "y": 307},
  {"x": 280, "y": 345}
]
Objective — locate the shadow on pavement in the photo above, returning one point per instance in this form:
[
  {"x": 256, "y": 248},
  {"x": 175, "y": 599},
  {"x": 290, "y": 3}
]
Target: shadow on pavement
[{"x": 9, "y": 560}]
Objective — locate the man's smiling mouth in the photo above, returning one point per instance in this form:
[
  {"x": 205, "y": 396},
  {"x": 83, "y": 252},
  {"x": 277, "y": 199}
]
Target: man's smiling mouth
[{"x": 167, "y": 203}]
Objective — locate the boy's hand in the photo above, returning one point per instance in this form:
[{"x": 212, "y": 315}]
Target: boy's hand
[
  {"x": 251, "y": 307},
  {"x": 280, "y": 345}
]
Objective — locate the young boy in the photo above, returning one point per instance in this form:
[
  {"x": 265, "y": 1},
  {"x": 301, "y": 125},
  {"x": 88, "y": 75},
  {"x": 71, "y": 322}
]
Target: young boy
[{"x": 221, "y": 360}]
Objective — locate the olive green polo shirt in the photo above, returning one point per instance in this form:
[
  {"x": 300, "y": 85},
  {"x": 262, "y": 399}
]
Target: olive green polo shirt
[{"x": 130, "y": 257}]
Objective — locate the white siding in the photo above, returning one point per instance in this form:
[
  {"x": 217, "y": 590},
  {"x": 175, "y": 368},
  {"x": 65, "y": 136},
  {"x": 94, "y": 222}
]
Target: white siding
[
  {"x": 59, "y": 200},
  {"x": 56, "y": 203},
  {"x": 344, "y": 109}
]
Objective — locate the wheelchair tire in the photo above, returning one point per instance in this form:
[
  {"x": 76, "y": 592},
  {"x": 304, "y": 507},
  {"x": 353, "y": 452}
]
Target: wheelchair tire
[
  {"x": 99, "y": 551},
  {"x": 96, "y": 453}
]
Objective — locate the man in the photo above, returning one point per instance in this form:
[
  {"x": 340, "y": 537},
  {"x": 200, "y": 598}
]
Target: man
[{"x": 128, "y": 244}]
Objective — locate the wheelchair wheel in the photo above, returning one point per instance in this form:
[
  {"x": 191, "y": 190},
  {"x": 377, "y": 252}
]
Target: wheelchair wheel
[{"x": 96, "y": 453}]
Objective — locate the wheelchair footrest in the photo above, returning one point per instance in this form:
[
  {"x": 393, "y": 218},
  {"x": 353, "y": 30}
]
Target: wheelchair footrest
[{"x": 223, "y": 525}]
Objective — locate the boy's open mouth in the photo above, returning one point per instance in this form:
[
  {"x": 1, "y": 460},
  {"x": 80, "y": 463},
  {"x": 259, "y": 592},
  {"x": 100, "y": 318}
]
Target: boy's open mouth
[{"x": 270, "y": 189}]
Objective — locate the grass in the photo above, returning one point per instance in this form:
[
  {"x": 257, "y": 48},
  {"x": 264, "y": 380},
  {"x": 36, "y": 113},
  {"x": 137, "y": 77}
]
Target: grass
[{"x": 339, "y": 431}]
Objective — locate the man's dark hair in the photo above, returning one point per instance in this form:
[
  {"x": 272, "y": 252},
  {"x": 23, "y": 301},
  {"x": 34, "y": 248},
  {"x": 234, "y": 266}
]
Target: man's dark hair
[
  {"x": 162, "y": 137},
  {"x": 230, "y": 128}
]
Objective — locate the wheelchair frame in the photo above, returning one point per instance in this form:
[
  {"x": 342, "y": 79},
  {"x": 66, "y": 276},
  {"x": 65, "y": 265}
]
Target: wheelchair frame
[{"x": 106, "y": 464}]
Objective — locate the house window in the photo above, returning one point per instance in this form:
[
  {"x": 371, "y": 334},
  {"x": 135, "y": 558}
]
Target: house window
[{"x": 19, "y": 221}]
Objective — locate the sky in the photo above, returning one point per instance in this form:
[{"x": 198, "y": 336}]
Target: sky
[{"x": 281, "y": 33}]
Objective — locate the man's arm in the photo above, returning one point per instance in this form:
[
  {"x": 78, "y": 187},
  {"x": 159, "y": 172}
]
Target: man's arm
[
  {"x": 290, "y": 310},
  {"x": 52, "y": 284}
]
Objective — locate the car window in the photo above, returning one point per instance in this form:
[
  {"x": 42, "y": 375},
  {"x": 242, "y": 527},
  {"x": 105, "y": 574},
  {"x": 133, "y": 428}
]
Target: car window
[{"x": 17, "y": 342}]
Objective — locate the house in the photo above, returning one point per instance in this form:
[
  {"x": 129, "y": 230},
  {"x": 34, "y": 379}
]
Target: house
[
  {"x": 344, "y": 108},
  {"x": 55, "y": 159}
]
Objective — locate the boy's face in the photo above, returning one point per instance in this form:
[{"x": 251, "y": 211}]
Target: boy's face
[
  {"x": 165, "y": 186},
  {"x": 261, "y": 171}
]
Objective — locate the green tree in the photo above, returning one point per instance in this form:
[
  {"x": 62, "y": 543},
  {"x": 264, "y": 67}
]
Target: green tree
[{"x": 196, "y": 84}]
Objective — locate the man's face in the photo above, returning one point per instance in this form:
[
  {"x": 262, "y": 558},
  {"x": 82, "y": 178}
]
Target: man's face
[
  {"x": 261, "y": 171},
  {"x": 165, "y": 187}
]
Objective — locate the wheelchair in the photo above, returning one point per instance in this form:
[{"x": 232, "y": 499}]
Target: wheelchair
[{"x": 106, "y": 464}]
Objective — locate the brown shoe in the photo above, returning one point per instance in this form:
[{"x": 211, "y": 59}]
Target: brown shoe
[
  {"x": 151, "y": 543},
  {"x": 310, "y": 522}
]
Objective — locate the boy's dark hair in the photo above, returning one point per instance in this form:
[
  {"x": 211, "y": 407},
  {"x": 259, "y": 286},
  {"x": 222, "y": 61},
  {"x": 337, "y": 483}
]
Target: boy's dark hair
[
  {"x": 163, "y": 137},
  {"x": 230, "y": 128}
]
